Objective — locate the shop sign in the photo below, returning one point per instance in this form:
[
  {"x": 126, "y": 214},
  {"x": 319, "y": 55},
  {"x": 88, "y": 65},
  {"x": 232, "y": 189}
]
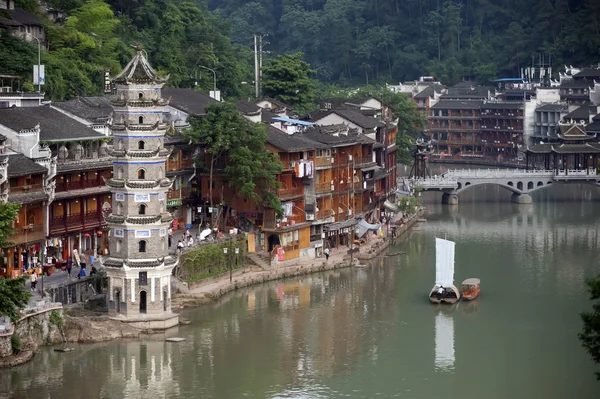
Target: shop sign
[{"x": 174, "y": 202}]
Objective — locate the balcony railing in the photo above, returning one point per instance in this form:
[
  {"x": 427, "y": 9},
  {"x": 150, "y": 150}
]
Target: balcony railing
[
  {"x": 323, "y": 161},
  {"x": 324, "y": 214},
  {"x": 290, "y": 192},
  {"x": 323, "y": 187},
  {"x": 78, "y": 185},
  {"x": 28, "y": 233},
  {"x": 363, "y": 160},
  {"x": 26, "y": 188}
]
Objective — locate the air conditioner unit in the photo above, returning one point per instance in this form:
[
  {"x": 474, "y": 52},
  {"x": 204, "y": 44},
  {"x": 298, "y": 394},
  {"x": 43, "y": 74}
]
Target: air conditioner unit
[
  {"x": 310, "y": 216},
  {"x": 349, "y": 158},
  {"x": 332, "y": 159}
]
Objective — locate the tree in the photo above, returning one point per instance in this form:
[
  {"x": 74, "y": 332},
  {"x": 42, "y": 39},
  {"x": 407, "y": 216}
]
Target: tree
[
  {"x": 289, "y": 79},
  {"x": 13, "y": 295},
  {"x": 250, "y": 167},
  {"x": 590, "y": 336}
]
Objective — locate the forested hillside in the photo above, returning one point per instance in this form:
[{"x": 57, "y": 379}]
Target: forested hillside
[
  {"x": 355, "y": 41},
  {"x": 97, "y": 34}
]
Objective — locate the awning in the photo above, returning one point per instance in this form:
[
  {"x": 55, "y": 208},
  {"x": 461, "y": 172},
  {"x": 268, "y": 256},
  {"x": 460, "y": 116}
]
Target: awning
[
  {"x": 370, "y": 168},
  {"x": 340, "y": 225},
  {"x": 391, "y": 207},
  {"x": 363, "y": 227}
]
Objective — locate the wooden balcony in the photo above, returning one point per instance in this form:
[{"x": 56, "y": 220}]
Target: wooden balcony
[
  {"x": 368, "y": 207},
  {"x": 323, "y": 214},
  {"x": 363, "y": 161},
  {"x": 323, "y": 187},
  {"x": 26, "y": 188},
  {"x": 29, "y": 233},
  {"x": 74, "y": 222},
  {"x": 286, "y": 193},
  {"x": 323, "y": 162},
  {"x": 78, "y": 185}
]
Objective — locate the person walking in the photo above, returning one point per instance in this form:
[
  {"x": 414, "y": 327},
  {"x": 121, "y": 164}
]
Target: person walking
[
  {"x": 33, "y": 279},
  {"x": 180, "y": 246},
  {"x": 69, "y": 267},
  {"x": 326, "y": 254},
  {"x": 83, "y": 260}
]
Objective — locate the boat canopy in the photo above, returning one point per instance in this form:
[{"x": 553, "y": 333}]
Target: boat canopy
[
  {"x": 471, "y": 281},
  {"x": 444, "y": 262}
]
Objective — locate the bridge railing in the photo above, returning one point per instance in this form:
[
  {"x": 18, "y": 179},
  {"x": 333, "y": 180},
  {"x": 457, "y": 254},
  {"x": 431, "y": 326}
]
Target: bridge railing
[
  {"x": 574, "y": 172},
  {"x": 496, "y": 173}
]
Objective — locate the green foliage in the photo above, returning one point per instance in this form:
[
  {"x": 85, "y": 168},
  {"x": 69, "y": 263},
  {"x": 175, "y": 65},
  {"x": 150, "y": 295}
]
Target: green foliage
[
  {"x": 359, "y": 41},
  {"x": 289, "y": 79},
  {"x": 15, "y": 343},
  {"x": 409, "y": 204},
  {"x": 56, "y": 318},
  {"x": 209, "y": 260},
  {"x": 590, "y": 336},
  {"x": 252, "y": 169},
  {"x": 177, "y": 35},
  {"x": 13, "y": 296},
  {"x": 8, "y": 214}
]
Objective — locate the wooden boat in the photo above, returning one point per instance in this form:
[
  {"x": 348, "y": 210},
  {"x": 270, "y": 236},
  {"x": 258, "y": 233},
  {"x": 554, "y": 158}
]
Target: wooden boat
[
  {"x": 470, "y": 288},
  {"x": 444, "y": 290}
]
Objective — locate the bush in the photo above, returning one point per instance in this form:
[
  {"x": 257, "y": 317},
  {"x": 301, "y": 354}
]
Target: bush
[
  {"x": 209, "y": 260},
  {"x": 16, "y": 344},
  {"x": 56, "y": 318}
]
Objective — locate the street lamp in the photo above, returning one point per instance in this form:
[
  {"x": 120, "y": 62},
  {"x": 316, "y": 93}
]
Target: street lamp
[
  {"x": 39, "y": 62},
  {"x": 214, "y": 78}
]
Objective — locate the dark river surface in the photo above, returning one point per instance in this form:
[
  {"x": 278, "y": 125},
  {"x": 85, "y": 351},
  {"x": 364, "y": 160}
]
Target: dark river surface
[{"x": 371, "y": 332}]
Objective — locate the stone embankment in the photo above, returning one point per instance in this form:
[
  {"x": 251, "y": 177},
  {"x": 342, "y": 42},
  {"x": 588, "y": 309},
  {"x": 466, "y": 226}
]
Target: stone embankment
[{"x": 204, "y": 292}]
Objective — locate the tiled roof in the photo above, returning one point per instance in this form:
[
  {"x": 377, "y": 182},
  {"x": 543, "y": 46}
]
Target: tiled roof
[
  {"x": 288, "y": 142},
  {"x": 21, "y": 17},
  {"x": 320, "y": 134},
  {"x": 246, "y": 107},
  {"x": 267, "y": 116},
  {"x": 552, "y": 107},
  {"x": 280, "y": 104},
  {"x": 582, "y": 112},
  {"x": 356, "y": 117},
  {"x": 425, "y": 93},
  {"x": 189, "y": 101},
  {"x": 54, "y": 125},
  {"x": 576, "y": 84},
  {"x": 458, "y": 104},
  {"x": 593, "y": 127},
  {"x": 503, "y": 105},
  {"x": 88, "y": 108},
  {"x": 588, "y": 73},
  {"x": 20, "y": 165}
]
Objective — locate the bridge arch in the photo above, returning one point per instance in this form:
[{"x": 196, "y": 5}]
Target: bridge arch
[{"x": 519, "y": 189}]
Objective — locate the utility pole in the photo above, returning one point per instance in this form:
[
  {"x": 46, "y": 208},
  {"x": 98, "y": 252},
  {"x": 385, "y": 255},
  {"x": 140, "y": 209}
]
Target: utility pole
[
  {"x": 260, "y": 53},
  {"x": 256, "y": 67}
]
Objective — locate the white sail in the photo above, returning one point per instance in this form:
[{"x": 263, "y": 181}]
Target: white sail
[
  {"x": 444, "y": 262},
  {"x": 444, "y": 342}
]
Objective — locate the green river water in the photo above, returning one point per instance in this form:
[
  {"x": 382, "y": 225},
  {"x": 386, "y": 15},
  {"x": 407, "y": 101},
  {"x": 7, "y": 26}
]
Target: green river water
[{"x": 371, "y": 332}]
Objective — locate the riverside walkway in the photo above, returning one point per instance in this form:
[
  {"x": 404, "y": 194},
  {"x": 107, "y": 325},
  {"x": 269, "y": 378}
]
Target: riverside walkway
[{"x": 521, "y": 182}]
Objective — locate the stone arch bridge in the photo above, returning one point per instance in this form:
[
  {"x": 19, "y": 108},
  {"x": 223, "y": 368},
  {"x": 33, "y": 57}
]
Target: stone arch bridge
[{"x": 519, "y": 181}]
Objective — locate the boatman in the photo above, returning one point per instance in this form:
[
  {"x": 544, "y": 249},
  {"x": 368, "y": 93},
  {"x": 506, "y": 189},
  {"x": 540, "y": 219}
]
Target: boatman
[{"x": 440, "y": 292}]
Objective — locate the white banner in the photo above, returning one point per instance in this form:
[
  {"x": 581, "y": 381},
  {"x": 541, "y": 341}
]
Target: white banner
[
  {"x": 142, "y": 198},
  {"x": 39, "y": 75},
  {"x": 142, "y": 233}
]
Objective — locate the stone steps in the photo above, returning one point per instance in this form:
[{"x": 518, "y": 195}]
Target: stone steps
[{"x": 260, "y": 259}]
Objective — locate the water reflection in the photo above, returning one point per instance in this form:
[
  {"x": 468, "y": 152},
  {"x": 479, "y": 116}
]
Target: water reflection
[
  {"x": 444, "y": 342},
  {"x": 371, "y": 332}
]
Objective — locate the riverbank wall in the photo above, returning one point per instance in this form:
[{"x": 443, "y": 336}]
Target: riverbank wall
[{"x": 203, "y": 292}]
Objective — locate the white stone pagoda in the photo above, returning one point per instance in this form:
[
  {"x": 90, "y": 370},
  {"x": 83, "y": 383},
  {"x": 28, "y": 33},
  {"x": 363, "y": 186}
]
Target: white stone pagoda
[{"x": 139, "y": 266}]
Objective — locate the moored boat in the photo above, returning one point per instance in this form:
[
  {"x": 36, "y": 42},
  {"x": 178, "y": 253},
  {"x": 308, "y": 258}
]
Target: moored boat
[
  {"x": 444, "y": 290},
  {"x": 470, "y": 288}
]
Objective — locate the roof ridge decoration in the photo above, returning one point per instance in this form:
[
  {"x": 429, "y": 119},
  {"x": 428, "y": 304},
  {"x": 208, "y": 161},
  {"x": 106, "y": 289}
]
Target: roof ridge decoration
[{"x": 139, "y": 70}]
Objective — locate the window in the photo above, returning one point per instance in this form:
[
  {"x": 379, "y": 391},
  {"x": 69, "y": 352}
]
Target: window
[
  {"x": 143, "y": 277},
  {"x": 141, "y": 120},
  {"x": 141, "y": 145},
  {"x": 118, "y": 245},
  {"x": 142, "y": 246},
  {"x": 120, "y": 173},
  {"x": 141, "y": 174},
  {"x": 119, "y": 209},
  {"x": 142, "y": 209},
  {"x": 140, "y": 95}
]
